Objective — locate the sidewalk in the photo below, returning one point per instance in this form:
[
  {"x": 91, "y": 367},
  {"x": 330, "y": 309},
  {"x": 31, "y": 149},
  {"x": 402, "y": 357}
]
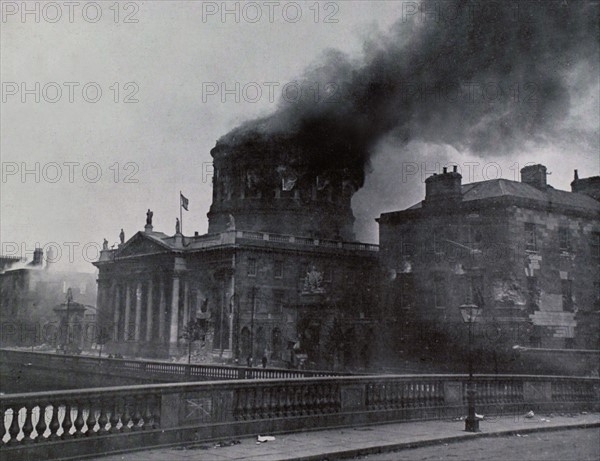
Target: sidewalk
[{"x": 349, "y": 442}]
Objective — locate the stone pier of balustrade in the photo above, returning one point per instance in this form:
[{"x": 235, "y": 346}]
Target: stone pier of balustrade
[{"x": 66, "y": 424}]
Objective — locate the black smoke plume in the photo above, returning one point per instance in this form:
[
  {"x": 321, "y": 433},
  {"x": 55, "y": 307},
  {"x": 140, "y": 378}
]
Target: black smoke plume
[{"x": 479, "y": 76}]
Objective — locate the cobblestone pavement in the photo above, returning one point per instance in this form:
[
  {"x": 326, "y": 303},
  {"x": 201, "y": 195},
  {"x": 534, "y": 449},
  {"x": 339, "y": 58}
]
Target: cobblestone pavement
[
  {"x": 570, "y": 445},
  {"x": 350, "y": 442}
]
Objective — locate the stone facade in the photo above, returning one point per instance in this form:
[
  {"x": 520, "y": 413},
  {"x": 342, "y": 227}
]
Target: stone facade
[
  {"x": 524, "y": 252},
  {"x": 248, "y": 288}
]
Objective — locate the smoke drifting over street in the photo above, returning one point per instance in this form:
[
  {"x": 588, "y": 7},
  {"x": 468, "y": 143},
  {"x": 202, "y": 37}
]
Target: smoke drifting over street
[{"x": 481, "y": 78}]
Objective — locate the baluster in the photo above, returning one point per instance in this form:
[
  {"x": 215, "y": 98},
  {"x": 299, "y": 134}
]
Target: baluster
[
  {"x": 305, "y": 400},
  {"x": 54, "y": 422},
  {"x": 285, "y": 405},
  {"x": 2, "y": 424},
  {"x": 243, "y": 402},
  {"x": 137, "y": 415},
  {"x": 114, "y": 417},
  {"x": 67, "y": 423},
  {"x": 126, "y": 416},
  {"x": 147, "y": 415},
  {"x": 337, "y": 402},
  {"x": 375, "y": 396},
  {"x": 14, "y": 428},
  {"x": 90, "y": 422},
  {"x": 258, "y": 403},
  {"x": 266, "y": 402},
  {"x": 103, "y": 418},
  {"x": 79, "y": 421},
  {"x": 310, "y": 402},
  {"x": 156, "y": 414},
  {"x": 273, "y": 402},
  {"x": 396, "y": 396},
  {"x": 27, "y": 425},
  {"x": 41, "y": 425},
  {"x": 294, "y": 401}
]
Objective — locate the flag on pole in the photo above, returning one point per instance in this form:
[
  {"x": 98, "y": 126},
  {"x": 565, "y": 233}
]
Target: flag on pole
[{"x": 184, "y": 201}]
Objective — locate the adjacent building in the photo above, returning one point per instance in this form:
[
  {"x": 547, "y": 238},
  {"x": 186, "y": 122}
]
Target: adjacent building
[
  {"x": 524, "y": 252},
  {"x": 29, "y": 294}
]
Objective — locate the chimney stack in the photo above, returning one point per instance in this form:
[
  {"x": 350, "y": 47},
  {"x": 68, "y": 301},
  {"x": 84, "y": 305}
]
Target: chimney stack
[
  {"x": 534, "y": 175},
  {"x": 443, "y": 188},
  {"x": 588, "y": 186},
  {"x": 38, "y": 257}
]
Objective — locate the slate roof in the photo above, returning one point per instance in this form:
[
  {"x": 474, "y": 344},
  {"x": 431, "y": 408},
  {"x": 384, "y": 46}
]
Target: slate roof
[{"x": 494, "y": 188}]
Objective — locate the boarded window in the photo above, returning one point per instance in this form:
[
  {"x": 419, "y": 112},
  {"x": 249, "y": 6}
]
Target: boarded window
[
  {"x": 251, "y": 267},
  {"x": 530, "y": 237},
  {"x": 278, "y": 269},
  {"x": 567, "y": 295}
]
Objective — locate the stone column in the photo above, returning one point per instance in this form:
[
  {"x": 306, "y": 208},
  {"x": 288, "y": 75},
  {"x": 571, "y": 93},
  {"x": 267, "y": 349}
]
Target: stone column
[
  {"x": 162, "y": 307},
  {"x": 117, "y": 313},
  {"x": 186, "y": 303},
  {"x": 138, "y": 312},
  {"x": 174, "y": 328},
  {"x": 149, "y": 313},
  {"x": 127, "y": 312},
  {"x": 231, "y": 308}
]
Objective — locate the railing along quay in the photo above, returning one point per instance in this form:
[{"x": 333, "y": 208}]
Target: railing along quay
[
  {"x": 148, "y": 370},
  {"x": 79, "y": 423}
]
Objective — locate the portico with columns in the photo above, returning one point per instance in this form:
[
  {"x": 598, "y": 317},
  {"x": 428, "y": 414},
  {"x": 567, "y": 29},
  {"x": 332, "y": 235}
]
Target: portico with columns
[{"x": 241, "y": 285}]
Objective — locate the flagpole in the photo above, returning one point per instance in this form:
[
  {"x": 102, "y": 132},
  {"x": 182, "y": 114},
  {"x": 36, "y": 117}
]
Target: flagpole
[{"x": 180, "y": 214}]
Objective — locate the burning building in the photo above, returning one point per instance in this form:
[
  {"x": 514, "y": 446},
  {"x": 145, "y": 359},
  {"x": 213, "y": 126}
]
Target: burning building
[{"x": 278, "y": 276}]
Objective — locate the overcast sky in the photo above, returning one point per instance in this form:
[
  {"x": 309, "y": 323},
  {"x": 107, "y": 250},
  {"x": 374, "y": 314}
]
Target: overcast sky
[{"x": 171, "y": 60}]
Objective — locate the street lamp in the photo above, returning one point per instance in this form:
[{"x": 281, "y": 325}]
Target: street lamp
[
  {"x": 69, "y": 299},
  {"x": 471, "y": 313}
]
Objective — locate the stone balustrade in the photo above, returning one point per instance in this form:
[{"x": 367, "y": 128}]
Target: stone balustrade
[
  {"x": 80, "y": 423},
  {"x": 90, "y": 371}
]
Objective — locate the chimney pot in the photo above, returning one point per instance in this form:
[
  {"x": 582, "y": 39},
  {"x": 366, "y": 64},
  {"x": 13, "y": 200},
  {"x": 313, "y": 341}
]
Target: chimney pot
[
  {"x": 576, "y": 176},
  {"x": 443, "y": 189}
]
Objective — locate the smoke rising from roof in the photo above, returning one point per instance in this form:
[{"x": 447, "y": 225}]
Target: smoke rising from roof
[{"x": 483, "y": 78}]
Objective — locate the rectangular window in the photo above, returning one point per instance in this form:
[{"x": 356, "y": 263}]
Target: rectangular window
[
  {"x": 439, "y": 291},
  {"x": 564, "y": 242},
  {"x": 278, "y": 300},
  {"x": 278, "y": 269},
  {"x": 567, "y": 295},
  {"x": 530, "y": 237},
  {"x": 251, "y": 267}
]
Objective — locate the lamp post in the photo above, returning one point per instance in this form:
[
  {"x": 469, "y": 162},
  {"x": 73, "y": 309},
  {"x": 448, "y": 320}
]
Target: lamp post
[
  {"x": 470, "y": 314},
  {"x": 69, "y": 298}
]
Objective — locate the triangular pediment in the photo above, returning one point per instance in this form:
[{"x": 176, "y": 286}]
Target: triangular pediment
[{"x": 142, "y": 244}]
